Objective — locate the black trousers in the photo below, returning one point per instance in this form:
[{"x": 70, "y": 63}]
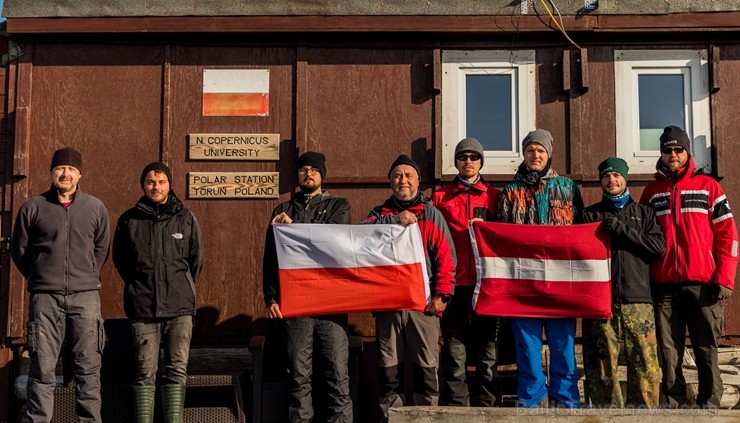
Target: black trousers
[
  {"x": 319, "y": 343},
  {"x": 693, "y": 306},
  {"x": 468, "y": 336}
]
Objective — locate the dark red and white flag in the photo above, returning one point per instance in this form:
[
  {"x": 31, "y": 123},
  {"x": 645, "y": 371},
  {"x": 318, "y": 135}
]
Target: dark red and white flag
[
  {"x": 328, "y": 269},
  {"x": 542, "y": 270}
]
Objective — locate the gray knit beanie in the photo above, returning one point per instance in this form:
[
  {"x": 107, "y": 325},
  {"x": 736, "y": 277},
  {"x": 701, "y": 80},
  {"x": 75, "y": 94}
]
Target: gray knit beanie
[
  {"x": 470, "y": 145},
  {"x": 541, "y": 137}
]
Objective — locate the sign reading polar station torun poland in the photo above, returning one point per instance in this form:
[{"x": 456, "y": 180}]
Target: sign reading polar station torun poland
[{"x": 233, "y": 184}]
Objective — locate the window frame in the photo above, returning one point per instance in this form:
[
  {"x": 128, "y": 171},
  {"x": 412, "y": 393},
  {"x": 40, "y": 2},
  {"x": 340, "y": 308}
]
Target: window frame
[
  {"x": 456, "y": 65},
  {"x": 693, "y": 65}
]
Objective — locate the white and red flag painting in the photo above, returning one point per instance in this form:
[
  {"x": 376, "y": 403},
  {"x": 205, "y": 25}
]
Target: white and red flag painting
[
  {"x": 329, "y": 268},
  {"x": 236, "y": 92},
  {"x": 542, "y": 270}
]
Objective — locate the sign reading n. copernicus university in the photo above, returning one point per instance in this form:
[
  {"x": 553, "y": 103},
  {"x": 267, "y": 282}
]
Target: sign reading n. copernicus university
[
  {"x": 233, "y": 184},
  {"x": 233, "y": 146}
]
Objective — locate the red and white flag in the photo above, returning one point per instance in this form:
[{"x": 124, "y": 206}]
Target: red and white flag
[
  {"x": 542, "y": 270},
  {"x": 236, "y": 92},
  {"x": 327, "y": 269}
]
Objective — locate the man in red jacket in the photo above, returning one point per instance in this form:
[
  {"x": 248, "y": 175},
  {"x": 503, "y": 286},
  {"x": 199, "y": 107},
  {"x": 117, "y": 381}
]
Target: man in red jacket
[
  {"x": 697, "y": 271},
  {"x": 467, "y": 199},
  {"x": 409, "y": 333}
]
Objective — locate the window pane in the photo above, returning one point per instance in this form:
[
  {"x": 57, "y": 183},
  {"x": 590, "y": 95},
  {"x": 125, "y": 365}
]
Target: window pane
[
  {"x": 661, "y": 104},
  {"x": 489, "y": 108}
]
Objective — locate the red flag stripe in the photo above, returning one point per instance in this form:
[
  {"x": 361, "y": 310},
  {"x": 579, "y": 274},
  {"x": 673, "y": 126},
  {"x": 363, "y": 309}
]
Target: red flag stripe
[
  {"x": 521, "y": 298},
  {"x": 349, "y": 290},
  {"x": 542, "y": 241}
]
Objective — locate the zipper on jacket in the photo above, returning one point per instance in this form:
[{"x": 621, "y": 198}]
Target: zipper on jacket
[
  {"x": 66, "y": 249},
  {"x": 674, "y": 213},
  {"x": 621, "y": 261},
  {"x": 470, "y": 245}
]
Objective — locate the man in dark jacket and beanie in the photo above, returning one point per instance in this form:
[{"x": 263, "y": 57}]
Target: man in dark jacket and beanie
[
  {"x": 60, "y": 242},
  {"x": 409, "y": 332},
  {"x": 318, "y": 338},
  {"x": 636, "y": 240},
  {"x": 158, "y": 252},
  {"x": 468, "y": 198},
  {"x": 697, "y": 272}
]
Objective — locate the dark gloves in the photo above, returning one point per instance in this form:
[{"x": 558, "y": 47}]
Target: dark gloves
[
  {"x": 723, "y": 293},
  {"x": 613, "y": 225}
]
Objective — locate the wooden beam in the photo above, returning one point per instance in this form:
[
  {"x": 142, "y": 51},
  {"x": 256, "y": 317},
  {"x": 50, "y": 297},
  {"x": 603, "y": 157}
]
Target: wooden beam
[
  {"x": 583, "y": 61},
  {"x": 566, "y": 70},
  {"x": 714, "y": 54},
  {"x": 682, "y": 22}
]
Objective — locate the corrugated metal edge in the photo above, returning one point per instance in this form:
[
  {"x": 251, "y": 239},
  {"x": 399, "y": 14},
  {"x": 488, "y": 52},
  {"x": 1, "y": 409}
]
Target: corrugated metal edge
[{"x": 173, "y": 8}]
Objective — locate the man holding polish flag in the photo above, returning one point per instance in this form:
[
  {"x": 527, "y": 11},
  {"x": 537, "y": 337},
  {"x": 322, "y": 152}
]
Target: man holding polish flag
[
  {"x": 321, "y": 336},
  {"x": 414, "y": 330}
]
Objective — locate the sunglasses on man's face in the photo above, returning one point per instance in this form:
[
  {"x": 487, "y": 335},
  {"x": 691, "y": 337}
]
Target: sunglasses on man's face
[
  {"x": 669, "y": 150},
  {"x": 465, "y": 157}
]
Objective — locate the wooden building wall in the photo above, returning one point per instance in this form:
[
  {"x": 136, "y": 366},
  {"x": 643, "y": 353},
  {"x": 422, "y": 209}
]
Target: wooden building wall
[{"x": 124, "y": 104}]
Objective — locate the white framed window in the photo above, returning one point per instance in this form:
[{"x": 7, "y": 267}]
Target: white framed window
[
  {"x": 655, "y": 89},
  {"x": 489, "y": 95}
]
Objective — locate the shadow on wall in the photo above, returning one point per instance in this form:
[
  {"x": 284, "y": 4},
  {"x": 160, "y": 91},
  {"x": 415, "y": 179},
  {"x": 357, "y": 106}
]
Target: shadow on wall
[{"x": 208, "y": 329}]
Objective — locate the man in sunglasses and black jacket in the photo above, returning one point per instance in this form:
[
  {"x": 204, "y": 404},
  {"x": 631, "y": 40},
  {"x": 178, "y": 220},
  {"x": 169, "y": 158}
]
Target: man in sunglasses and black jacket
[{"x": 697, "y": 272}]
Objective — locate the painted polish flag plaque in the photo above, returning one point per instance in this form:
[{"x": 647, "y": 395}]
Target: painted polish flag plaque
[{"x": 236, "y": 92}]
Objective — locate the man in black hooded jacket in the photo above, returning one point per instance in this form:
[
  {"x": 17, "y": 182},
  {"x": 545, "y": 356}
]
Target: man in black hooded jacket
[
  {"x": 158, "y": 252},
  {"x": 318, "y": 338}
]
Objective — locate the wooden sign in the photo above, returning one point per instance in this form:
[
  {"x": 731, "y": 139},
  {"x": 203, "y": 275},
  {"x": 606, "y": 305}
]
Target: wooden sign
[
  {"x": 233, "y": 184},
  {"x": 233, "y": 146}
]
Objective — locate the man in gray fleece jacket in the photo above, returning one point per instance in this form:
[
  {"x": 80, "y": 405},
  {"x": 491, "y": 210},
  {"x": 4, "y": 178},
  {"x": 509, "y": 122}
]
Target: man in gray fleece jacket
[{"x": 60, "y": 242}]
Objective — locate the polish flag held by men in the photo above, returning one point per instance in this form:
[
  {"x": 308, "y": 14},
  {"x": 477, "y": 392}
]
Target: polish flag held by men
[
  {"x": 542, "y": 270},
  {"x": 350, "y": 268}
]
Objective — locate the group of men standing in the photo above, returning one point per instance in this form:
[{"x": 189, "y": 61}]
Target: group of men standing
[
  {"x": 674, "y": 258},
  {"x": 61, "y": 240}
]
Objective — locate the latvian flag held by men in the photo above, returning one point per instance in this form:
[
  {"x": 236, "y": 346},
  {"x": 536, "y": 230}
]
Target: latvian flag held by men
[
  {"x": 327, "y": 269},
  {"x": 542, "y": 270}
]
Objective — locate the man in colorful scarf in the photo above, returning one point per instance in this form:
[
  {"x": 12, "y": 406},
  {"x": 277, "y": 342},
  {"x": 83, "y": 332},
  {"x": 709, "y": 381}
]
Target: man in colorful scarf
[{"x": 538, "y": 196}]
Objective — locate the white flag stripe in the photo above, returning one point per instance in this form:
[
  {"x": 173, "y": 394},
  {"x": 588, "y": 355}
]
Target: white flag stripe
[
  {"x": 236, "y": 81},
  {"x": 550, "y": 270},
  {"x": 310, "y": 246}
]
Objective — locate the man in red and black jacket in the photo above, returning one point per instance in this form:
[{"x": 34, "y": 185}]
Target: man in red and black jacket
[
  {"x": 468, "y": 198},
  {"x": 406, "y": 329},
  {"x": 697, "y": 271}
]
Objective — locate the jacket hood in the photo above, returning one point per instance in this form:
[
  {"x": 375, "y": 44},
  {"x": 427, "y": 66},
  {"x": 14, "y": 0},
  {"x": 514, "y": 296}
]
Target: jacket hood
[
  {"x": 171, "y": 207},
  {"x": 687, "y": 171},
  {"x": 480, "y": 185}
]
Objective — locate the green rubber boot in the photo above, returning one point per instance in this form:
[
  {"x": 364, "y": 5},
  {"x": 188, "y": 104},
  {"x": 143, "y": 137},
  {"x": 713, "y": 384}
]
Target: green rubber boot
[
  {"x": 173, "y": 402},
  {"x": 144, "y": 404}
]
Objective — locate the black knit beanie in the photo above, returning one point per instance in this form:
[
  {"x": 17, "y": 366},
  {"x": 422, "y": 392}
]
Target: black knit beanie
[
  {"x": 67, "y": 156},
  {"x": 404, "y": 160},
  {"x": 313, "y": 159},
  {"x": 673, "y": 136},
  {"x": 158, "y": 166}
]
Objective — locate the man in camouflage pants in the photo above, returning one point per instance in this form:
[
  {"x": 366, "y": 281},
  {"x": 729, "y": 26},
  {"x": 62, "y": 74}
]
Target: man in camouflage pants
[{"x": 636, "y": 240}]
